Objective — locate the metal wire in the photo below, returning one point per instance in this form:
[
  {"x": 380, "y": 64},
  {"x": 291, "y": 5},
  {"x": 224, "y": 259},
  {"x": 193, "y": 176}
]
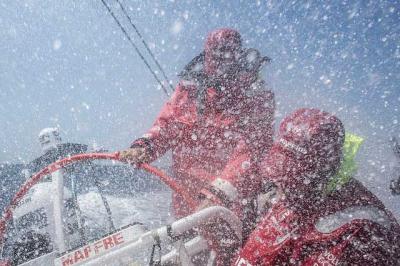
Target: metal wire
[
  {"x": 135, "y": 47},
  {"x": 144, "y": 43}
]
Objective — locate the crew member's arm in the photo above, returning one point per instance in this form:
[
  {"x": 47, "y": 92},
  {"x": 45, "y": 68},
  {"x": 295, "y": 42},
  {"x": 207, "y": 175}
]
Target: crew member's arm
[
  {"x": 239, "y": 175},
  {"x": 166, "y": 130}
]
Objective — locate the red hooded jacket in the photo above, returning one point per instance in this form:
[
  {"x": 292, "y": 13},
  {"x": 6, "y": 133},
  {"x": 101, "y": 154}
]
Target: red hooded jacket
[
  {"x": 306, "y": 225},
  {"x": 210, "y": 123}
]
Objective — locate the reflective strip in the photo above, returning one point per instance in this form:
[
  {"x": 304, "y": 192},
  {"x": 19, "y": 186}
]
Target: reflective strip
[
  {"x": 334, "y": 221},
  {"x": 226, "y": 187},
  {"x": 188, "y": 83},
  {"x": 292, "y": 146}
]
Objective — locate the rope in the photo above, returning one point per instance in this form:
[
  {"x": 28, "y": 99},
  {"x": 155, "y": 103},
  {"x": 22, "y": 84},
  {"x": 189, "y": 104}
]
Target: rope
[
  {"x": 144, "y": 43},
  {"x": 135, "y": 47}
]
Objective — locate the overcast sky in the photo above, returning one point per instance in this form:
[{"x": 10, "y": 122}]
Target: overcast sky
[{"x": 66, "y": 63}]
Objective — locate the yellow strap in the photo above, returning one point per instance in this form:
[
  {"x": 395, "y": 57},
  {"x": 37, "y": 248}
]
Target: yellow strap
[{"x": 348, "y": 167}]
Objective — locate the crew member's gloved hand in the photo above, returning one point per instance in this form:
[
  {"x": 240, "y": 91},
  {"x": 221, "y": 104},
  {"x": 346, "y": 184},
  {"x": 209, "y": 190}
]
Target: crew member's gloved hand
[{"x": 136, "y": 155}]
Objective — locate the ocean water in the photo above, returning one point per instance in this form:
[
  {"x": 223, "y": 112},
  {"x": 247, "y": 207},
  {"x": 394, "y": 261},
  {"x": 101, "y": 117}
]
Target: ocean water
[{"x": 151, "y": 209}]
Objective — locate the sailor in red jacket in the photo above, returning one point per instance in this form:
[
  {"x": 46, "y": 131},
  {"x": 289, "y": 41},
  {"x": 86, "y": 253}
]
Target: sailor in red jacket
[
  {"x": 220, "y": 113},
  {"x": 307, "y": 225}
]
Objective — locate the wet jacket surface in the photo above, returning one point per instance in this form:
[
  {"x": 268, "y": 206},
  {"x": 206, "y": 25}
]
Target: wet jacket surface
[
  {"x": 349, "y": 227},
  {"x": 221, "y": 139}
]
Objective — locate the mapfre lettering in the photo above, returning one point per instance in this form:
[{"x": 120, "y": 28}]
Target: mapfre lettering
[{"x": 92, "y": 250}]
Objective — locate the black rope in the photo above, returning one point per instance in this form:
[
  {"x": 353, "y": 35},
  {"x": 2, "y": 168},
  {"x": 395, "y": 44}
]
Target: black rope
[
  {"x": 78, "y": 210},
  {"x": 157, "y": 244},
  {"x": 106, "y": 205},
  {"x": 135, "y": 47},
  {"x": 144, "y": 43}
]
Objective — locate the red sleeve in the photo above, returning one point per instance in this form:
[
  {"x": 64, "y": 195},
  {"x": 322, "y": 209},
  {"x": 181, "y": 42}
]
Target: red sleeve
[
  {"x": 4, "y": 262},
  {"x": 260, "y": 128},
  {"x": 175, "y": 115},
  {"x": 239, "y": 175}
]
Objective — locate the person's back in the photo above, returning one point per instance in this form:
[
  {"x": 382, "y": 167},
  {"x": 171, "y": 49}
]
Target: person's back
[
  {"x": 376, "y": 233},
  {"x": 219, "y": 112},
  {"x": 308, "y": 225}
]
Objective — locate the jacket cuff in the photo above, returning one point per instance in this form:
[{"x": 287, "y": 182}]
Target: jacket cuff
[
  {"x": 226, "y": 188},
  {"x": 220, "y": 192},
  {"x": 207, "y": 194}
]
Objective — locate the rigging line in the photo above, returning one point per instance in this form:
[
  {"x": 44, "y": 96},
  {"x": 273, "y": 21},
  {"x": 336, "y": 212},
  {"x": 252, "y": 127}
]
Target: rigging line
[
  {"x": 134, "y": 46},
  {"x": 144, "y": 43}
]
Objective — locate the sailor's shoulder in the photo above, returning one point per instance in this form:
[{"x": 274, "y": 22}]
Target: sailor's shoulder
[
  {"x": 187, "y": 88},
  {"x": 259, "y": 94},
  {"x": 260, "y": 91}
]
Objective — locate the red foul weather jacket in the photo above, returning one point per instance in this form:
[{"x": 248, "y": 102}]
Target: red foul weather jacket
[
  {"x": 349, "y": 227},
  {"x": 215, "y": 133}
]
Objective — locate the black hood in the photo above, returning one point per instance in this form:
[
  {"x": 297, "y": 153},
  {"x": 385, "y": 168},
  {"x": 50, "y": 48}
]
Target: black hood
[{"x": 250, "y": 61}]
